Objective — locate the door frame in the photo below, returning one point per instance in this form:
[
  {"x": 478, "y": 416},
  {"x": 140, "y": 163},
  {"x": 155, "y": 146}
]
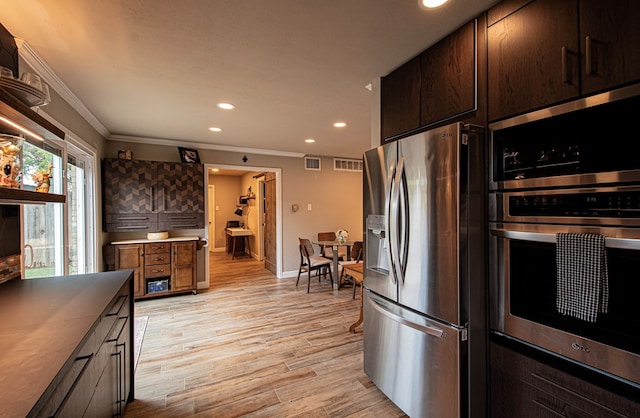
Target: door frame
[{"x": 278, "y": 173}]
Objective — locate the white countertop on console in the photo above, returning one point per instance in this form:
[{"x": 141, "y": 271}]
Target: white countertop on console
[
  {"x": 145, "y": 241},
  {"x": 238, "y": 232}
]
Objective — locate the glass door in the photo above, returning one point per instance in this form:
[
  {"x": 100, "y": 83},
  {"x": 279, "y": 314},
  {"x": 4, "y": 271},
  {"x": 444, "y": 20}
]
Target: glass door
[{"x": 43, "y": 224}]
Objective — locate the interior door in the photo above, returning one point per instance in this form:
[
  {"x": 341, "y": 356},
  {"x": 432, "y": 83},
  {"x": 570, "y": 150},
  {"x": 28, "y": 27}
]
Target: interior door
[{"x": 270, "y": 258}]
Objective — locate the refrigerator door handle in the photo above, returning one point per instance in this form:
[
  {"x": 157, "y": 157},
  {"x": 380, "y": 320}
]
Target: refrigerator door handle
[
  {"x": 433, "y": 331},
  {"x": 403, "y": 240},
  {"x": 392, "y": 222},
  {"x": 389, "y": 205}
]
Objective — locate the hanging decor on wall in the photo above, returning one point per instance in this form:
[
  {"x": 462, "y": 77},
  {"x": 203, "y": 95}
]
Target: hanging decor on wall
[{"x": 188, "y": 155}]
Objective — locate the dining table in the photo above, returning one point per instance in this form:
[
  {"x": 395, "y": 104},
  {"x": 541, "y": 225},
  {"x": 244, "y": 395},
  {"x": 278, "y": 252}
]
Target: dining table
[{"x": 335, "y": 244}]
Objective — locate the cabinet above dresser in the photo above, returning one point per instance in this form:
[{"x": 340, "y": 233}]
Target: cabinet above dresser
[{"x": 152, "y": 196}]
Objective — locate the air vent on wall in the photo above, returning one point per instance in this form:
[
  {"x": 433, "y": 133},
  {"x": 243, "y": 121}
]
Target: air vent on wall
[
  {"x": 312, "y": 163},
  {"x": 343, "y": 164}
]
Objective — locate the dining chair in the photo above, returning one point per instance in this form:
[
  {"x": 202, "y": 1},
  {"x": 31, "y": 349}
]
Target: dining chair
[
  {"x": 326, "y": 250},
  {"x": 310, "y": 262},
  {"x": 356, "y": 257}
]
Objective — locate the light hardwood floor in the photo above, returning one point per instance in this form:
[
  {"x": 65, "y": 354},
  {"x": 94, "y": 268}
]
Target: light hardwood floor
[{"x": 254, "y": 345}]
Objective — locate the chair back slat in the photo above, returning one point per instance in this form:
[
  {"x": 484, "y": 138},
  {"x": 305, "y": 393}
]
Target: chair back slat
[
  {"x": 356, "y": 251},
  {"x": 306, "y": 247}
]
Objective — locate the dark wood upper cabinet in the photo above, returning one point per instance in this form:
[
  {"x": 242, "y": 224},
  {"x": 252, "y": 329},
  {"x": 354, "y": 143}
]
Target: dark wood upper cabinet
[
  {"x": 400, "y": 100},
  {"x": 610, "y": 35},
  {"x": 436, "y": 86},
  {"x": 545, "y": 52},
  {"x": 525, "y": 58},
  {"x": 448, "y": 86},
  {"x": 152, "y": 196}
]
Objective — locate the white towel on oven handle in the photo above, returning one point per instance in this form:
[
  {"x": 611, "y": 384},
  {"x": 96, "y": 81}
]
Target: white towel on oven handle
[{"x": 582, "y": 275}]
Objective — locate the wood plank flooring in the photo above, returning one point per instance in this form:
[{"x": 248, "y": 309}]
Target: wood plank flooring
[{"x": 253, "y": 345}]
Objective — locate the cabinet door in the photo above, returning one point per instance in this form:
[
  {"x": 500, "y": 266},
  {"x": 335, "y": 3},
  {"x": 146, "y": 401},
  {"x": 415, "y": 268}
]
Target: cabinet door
[
  {"x": 533, "y": 59},
  {"x": 128, "y": 196},
  {"x": 183, "y": 265},
  {"x": 610, "y": 35},
  {"x": 131, "y": 256},
  {"x": 400, "y": 100},
  {"x": 180, "y": 188},
  {"x": 448, "y": 86},
  {"x": 180, "y": 196}
]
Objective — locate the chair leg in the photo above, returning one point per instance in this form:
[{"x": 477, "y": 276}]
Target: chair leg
[
  {"x": 355, "y": 283},
  {"x": 309, "y": 281},
  {"x": 299, "y": 271}
]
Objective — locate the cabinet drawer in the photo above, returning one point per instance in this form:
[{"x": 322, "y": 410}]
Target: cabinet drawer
[
  {"x": 131, "y": 218},
  {"x": 157, "y": 247},
  {"x": 161, "y": 270},
  {"x": 62, "y": 391},
  {"x": 172, "y": 221},
  {"x": 152, "y": 259},
  {"x": 522, "y": 386},
  {"x": 119, "y": 308},
  {"x": 130, "y": 226}
]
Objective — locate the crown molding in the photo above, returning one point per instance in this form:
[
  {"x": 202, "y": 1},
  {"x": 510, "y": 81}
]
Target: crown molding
[
  {"x": 200, "y": 145},
  {"x": 35, "y": 62},
  {"x": 31, "y": 57}
]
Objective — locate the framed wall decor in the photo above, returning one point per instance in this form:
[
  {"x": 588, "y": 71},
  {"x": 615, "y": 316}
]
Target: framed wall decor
[{"x": 188, "y": 155}]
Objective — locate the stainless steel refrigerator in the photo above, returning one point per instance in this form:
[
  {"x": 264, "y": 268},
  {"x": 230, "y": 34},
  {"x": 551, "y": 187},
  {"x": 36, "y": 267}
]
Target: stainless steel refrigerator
[{"x": 424, "y": 276}]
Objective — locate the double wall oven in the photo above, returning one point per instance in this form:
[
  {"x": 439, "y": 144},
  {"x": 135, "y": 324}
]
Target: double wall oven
[{"x": 573, "y": 168}]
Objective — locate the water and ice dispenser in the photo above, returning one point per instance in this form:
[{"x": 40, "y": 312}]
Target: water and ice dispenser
[{"x": 377, "y": 244}]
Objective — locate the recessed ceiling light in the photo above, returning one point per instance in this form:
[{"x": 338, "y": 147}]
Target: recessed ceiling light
[
  {"x": 339, "y": 124},
  {"x": 226, "y": 106},
  {"x": 309, "y": 140},
  {"x": 215, "y": 129},
  {"x": 432, "y": 3},
  {"x": 215, "y": 169}
]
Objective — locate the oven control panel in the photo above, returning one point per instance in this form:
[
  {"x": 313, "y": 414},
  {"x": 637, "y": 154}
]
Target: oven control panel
[{"x": 615, "y": 204}]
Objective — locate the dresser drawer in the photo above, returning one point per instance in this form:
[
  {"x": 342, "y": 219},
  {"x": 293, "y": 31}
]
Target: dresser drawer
[
  {"x": 157, "y": 247},
  {"x": 152, "y": 259},
  {"x": 160, "y": 270}
]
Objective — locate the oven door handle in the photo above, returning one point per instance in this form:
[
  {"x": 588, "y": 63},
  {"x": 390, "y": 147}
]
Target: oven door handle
[{"x": 620, "y": 243}]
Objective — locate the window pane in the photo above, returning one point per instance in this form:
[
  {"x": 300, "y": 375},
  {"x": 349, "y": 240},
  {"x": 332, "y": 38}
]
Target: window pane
[
  {"x": 43, "y": 253},
  {"x": 42, "y": 224}
]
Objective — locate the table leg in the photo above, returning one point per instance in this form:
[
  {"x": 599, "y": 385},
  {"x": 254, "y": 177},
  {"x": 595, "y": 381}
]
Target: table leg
[
  {"x": 353, "y": 327},
  {"x": 233, "y": 250},
  {"x": 336, "y": 276}
]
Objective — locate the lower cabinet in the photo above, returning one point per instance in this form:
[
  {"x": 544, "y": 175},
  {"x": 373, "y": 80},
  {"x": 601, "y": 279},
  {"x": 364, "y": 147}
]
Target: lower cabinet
[
  {"x": 159, "y": 268},
  {"x": 99, "y": 382},
  {"x": 524, "y": 387}
]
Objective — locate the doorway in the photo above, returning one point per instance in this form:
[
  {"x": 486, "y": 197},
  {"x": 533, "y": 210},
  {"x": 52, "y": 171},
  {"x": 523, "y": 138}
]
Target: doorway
[{"x": 271, "y": 213}]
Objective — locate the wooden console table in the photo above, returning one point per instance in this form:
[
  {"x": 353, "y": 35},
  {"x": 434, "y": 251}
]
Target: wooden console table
[{"x": 232, "y": 239}]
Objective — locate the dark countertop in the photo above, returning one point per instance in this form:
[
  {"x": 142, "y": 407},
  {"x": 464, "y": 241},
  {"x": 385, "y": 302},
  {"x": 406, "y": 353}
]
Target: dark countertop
[{"x": 42, "y": 324}]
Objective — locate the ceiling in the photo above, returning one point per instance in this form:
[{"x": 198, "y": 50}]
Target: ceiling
[{"x": 157, "y": 68}]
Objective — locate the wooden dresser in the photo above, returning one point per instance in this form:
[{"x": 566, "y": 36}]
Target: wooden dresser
[{"x": 160, "y": 267}]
